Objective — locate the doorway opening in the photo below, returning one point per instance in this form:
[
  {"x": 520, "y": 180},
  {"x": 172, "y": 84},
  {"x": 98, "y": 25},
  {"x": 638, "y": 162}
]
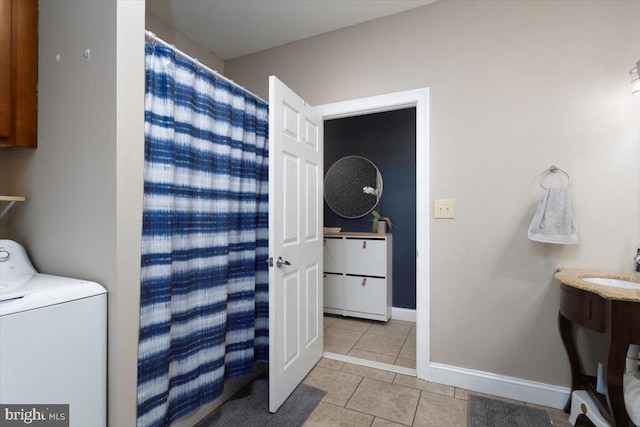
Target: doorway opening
[
  {"x": 367, "y": 113},
  {"x": 388, "y": 140}
]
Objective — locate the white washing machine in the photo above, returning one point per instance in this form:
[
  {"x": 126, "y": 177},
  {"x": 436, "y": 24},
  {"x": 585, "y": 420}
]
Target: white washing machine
[{"x": 53, "y": 342}]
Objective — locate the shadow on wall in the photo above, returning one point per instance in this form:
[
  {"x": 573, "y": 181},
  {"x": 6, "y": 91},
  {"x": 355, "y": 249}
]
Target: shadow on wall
[
  {"x": 527, "y": 286},
  {"x": 542, "y": 259}
]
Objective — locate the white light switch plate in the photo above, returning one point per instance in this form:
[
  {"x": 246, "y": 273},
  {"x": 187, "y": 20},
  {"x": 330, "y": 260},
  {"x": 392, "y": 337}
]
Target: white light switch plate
[{"x": 444, "y": 208}]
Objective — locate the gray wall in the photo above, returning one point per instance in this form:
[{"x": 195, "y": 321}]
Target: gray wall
[
  {"x": 68, "y": 222},
  {"x": 184, "y": 43},
  {"x": 83, "y": 183},
  {"x": 515, "y": 87},
  {"x": 83, "y": 216}
]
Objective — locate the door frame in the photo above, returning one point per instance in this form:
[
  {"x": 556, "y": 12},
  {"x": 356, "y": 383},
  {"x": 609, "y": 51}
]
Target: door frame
[{"x": 418, "y": 99}]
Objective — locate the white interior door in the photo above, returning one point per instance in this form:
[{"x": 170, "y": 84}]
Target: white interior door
[{"x": 295, "y": 240}]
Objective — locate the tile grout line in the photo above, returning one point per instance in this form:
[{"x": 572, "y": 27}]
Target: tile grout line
[
  {"x": 367, "y": 331},
  {"x": 401, "y": 386},
  {"x": 351, "y": 347},
  {"x": 395, "y": 362},
  {"x": 354, "y": 392},
  {"x": 372, "y": 415},
  {"x": 401, "y": 347},
  {"x": 354, "y": 410},
  {"x": 423, "y": 394},
  {"x": 395, "y": 375},
  {"x": 413, "y": 421}
]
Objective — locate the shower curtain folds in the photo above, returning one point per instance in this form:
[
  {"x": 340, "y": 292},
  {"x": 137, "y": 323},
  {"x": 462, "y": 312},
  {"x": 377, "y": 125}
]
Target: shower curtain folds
[{"x": 204, "y": 283}]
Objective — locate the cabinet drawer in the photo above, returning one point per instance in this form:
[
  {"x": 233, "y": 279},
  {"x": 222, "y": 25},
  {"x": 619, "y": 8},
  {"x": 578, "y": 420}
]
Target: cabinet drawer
[
  {"x": 333, "y": 291},
  {"x": 366, "y": 257},
  {"x": 366, "y": 294},
  {"x": 583, "y": 308},
  {"x": 333, "y": 252}
]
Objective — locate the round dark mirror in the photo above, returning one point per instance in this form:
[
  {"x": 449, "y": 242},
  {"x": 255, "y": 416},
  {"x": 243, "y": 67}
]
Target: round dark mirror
[{"x": 352, "y": 187}]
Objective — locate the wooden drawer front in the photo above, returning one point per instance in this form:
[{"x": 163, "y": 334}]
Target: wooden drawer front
[
  {"x": 582, "y": 307},
  {"x": 18, "y": 73},
  {"x": 334, "y": 291},
  {"x": 634, "y": 321},
  {"x": 333, "y": 255},
  {"x": 366, "y": 294},
  {"x": 366, "y": 257}
]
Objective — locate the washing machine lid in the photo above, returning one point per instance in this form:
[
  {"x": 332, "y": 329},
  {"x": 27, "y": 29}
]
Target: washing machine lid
[
  {"x": 20, "y": 293},
  {"x": 22, "y": 288}
]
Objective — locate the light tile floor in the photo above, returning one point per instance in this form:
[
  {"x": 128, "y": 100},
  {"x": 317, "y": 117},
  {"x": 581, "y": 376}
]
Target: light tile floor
[
  {"x": 393, "y": 342},
  {"x": 361, "y": 396}
]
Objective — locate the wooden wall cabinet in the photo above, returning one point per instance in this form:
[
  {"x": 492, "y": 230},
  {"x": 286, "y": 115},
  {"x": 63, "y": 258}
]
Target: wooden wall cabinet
[
  {"x": 357, "y": 275},
  {"x": 18, "y": 73}
]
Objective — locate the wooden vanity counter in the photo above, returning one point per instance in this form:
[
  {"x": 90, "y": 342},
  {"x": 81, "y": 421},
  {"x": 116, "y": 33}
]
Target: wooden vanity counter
[
  {"x": 612, "y": 311},
  {"x": 573, "y": 277}
]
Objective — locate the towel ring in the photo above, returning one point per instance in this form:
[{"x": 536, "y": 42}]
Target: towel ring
[{"x": 553, "y": 169}]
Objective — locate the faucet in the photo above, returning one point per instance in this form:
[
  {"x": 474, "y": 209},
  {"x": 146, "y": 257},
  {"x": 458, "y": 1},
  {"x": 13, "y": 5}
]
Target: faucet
[{"x": 637, "y": 260}]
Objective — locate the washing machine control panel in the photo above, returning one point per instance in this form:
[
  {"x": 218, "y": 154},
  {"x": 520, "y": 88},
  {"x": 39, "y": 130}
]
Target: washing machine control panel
[{"x": 13, "y": 260}]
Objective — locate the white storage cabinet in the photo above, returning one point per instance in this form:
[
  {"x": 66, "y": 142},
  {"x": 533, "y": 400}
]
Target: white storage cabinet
[{"x": 357, "y": 275}]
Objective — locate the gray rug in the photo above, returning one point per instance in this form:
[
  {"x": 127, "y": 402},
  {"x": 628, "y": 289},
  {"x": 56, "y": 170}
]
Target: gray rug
[
  {"x": 250, "y": 407},
  {"x": 484, "y": 412}
]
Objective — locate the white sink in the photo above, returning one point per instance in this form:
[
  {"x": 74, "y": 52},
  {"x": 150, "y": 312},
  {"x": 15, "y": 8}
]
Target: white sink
[{"x": 617, "y": 283}]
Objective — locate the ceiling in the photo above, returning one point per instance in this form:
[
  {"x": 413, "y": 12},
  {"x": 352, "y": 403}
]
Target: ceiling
[{"x": 233, "y": 28}]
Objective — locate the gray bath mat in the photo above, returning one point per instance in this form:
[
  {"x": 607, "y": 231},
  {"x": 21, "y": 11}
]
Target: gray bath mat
[
  {"x": 484, "y": 412},
  {"x": 250, "y": 407}
]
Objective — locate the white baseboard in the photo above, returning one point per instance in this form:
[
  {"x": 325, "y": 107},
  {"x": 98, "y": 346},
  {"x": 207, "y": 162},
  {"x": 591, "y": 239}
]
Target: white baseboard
[
  {"x": 406, "y": 314},
  {"x": 500, "y": 385},
  {"x": 483, "y": 382}
]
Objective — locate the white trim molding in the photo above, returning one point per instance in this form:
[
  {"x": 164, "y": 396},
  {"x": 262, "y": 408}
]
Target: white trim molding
[
  {"x": 483, "y": 382},
  {"x": 406, "y": 314},
  {"x": 370, "y": 363},
  {"x": 418, "y": 99},
  {"x": 500, "y": 385}
]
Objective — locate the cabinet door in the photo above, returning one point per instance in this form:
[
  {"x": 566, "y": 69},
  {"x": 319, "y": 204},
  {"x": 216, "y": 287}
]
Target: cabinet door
[
  {"x": 333, "y": 292},
  {"x": 333, "y": 255},
  {"x": 366, "y": 257},
  {"x": 5, "y": 68},
  {"x": 366, "y": 295},
  {"x": 18, "y": 73}
]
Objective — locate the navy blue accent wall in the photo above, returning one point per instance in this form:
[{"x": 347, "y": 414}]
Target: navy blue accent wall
[{"x": 389, "y": 141}]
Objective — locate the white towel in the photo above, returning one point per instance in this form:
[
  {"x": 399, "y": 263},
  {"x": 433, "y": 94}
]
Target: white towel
[{"x": 553, "y": 221}]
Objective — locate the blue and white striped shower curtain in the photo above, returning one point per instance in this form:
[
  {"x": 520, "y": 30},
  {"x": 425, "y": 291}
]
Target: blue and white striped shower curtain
[{"x": 204, "y": 282}]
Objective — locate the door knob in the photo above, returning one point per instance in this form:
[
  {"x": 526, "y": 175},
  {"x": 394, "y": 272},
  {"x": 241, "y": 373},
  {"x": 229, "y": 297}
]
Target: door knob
[{"x": 280, "y": 262}]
